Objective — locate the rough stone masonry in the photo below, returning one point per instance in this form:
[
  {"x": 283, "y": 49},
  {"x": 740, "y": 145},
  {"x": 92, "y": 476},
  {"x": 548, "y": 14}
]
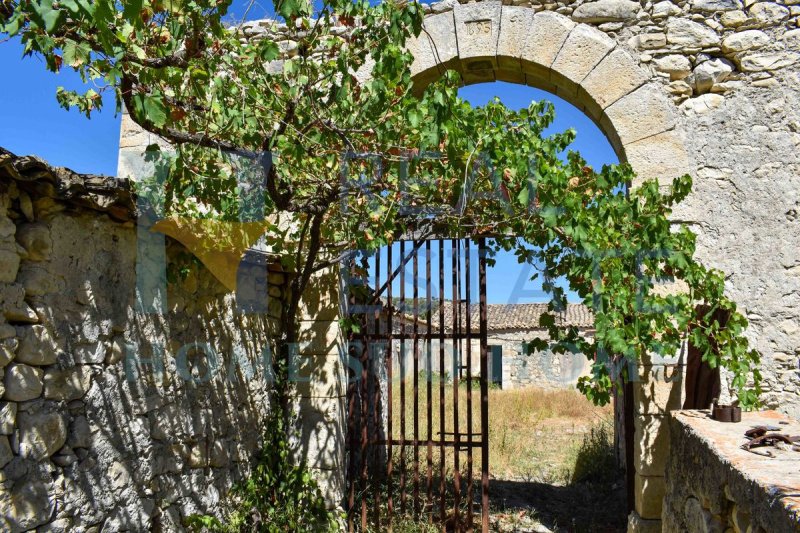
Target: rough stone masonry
[{"x": 111, "y": 419}]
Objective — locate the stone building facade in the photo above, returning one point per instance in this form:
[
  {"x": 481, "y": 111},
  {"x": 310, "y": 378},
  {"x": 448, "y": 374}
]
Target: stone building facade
[{"x": 511, "y": 362}]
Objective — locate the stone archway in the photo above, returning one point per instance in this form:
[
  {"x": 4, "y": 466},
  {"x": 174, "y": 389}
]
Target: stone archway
[{"x": 488, "y": 41}]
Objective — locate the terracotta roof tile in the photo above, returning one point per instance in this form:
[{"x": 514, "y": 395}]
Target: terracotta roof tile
[{"x": 507, "y": 316}]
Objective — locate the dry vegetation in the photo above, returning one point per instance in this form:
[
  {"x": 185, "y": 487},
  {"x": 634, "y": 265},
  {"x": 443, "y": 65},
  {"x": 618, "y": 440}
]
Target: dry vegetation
[
  {"x": 550, "y": 454},
  {"x": 534, "y": 434}
]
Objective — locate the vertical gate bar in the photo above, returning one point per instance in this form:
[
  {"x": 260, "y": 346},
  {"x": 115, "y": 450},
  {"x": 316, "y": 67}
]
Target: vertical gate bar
[
  {"x": 442, "y": 491},
  {"x": 403, "y": 380},
  {"x": 456, "y": 374},
  {"x": 469, "y": 337},
  {"x": 377, "y": 477},
  {"x": 428, "y": 374},
  {"x": 416, "y": 380},
  {"x": 364, "y": 405},
  {"x": 484, "y": 388},
  {"x": 351, "y": 430},
  {"x": 389, "y": 377}
]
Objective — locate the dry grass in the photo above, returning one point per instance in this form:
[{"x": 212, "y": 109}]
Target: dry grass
[{"x": 533, "y": 433}]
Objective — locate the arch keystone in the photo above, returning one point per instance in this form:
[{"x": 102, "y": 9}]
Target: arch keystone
[{"x": 477, "y": 29}]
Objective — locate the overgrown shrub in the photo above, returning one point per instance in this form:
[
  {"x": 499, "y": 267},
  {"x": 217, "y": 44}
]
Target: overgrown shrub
[
  {"x": 594, "y": 459},
  {"x": 279, "y": 496}
]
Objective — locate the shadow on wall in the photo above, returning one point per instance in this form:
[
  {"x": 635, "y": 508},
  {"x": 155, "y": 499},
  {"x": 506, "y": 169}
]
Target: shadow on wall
[{"x": 112, "y": 418}]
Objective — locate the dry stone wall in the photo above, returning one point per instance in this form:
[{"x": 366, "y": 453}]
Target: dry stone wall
[{"x": 110, "y": 419}]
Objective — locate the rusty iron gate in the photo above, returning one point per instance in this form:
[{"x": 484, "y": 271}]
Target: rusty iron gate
[{"x": 418, "y": 444}]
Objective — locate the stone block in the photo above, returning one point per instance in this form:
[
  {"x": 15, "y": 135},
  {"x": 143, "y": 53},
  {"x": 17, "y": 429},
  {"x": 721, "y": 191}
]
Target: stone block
[
  {"x": 7, "y": 349},
  {"x": 510, "y": 75},
  {"x": 744, "y": 40},
  {"x": 648, "y": 496},
  {"x": 677, "y": 66},
  {"x": 319, "y": 439},
  {"x": 332, "y": 484},
  {"x": 37, "y": 346},
  {"x": 8, "y": 417},
  {"x": 7, "y": 331},
  {"x": 662, "y": 156},
  {"x": 658, "y": 390},
  {"x": 544, "y": 40},
  {"x": 585, "y": 47},
  {"x": 22, "y": 382},
  {"x": 218, "y": 455},
  {"x": 87, "y": 354},
  {"x": 769, "y": 13},
  {"x": 5, "y": 451},
  {"x": 441, "y": 29},
  {"x": 80, "y": 433},
  {"x": 320, "y": 300},
  {"x": 642, "y": 113},
  {"x": 617, "y": 75},
  {"x": 319, "y": 337},
  {"x": 27, "y": 505},
  {"x": 606, "y": 11},
  {"x": 198, "y": 456},
  {"x": 650, "y": 445},
  {"x": 515, "y": 23},
  {"x": 425, "y": 68},
  {"x": 320, "y": 376},
  {"x": 792, "y": 39},
  {"x": 36, "y": 240},
  {"x": 9, "y": 265},
  {"x": 478, "y": 76},
  {"x": 767, "y": 61},
  {"x": 41, "y": 435},
  {"x": 691, "y": 35},
  {"x": 66, "y": 384},
  {"x": 37, "y": 280},
  {"x": 477, "y": 30},
  {"x": 637, "y": 524}
]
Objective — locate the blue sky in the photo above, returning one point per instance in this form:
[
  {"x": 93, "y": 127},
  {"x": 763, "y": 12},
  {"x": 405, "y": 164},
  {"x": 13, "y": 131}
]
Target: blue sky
[{"x": 31, "y": 122}]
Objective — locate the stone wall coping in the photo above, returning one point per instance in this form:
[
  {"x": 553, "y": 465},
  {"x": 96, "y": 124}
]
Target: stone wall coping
[
  {"x": 105, "y": 194},
  {"x": 775, "y": 480}
]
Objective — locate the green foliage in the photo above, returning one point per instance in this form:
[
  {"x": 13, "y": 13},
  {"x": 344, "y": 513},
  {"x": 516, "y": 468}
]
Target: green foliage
[
  {"x": 435, "y": 164},
  {"x": 278, "y": 496}
]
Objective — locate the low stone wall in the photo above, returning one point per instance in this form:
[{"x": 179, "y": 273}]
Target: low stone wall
[
  {"x": 111, "y": 419},
  {"x": 714, "y": 485}
]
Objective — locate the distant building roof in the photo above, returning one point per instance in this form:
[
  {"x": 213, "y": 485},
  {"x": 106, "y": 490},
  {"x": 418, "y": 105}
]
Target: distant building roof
[{"x": 502, "y": 317}]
